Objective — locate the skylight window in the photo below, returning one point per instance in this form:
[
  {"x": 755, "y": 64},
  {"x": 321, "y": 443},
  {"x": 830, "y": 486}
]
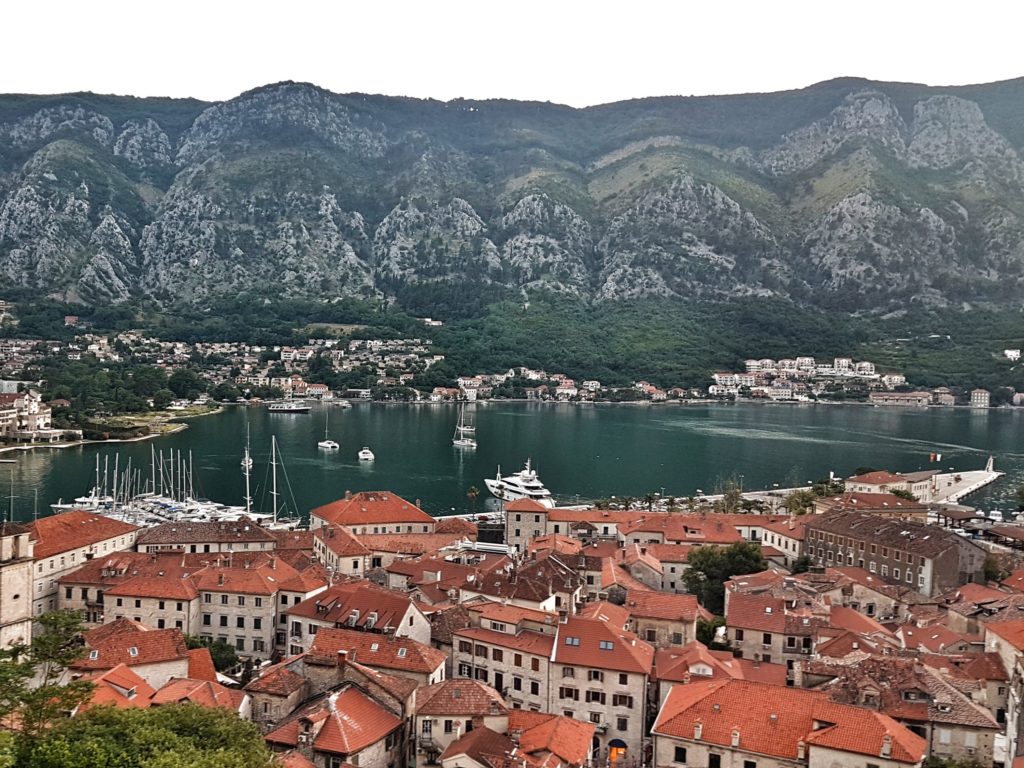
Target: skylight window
[
  {"x": 133, "y": 651},
  {"x": 606, "y": 645},
  {"x": 401, "y": 653},
  {"x": 572, "y": 640},
  {"x": 374, "y": 647}
]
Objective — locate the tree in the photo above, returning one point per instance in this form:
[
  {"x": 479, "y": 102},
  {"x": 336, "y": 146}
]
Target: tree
[
  {"x": 997, "y": 568},
  {"x": 31, "y": 694},
  {"x": 471, "y": 493},
  {"x": 706, "y": 629},
  {"x": 162, "y": 398},
  {"x": 710, "y": 567},
  {"x": 170, "y": 736},
  {"x": 802, "y": 564},
  {"x": 903, "y": 494},
  {"x": 1020, "y": 498}
]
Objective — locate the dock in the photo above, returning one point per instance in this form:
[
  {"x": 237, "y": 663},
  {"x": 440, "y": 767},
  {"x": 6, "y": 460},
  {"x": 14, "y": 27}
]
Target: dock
[{"x": 953, "y": 486}]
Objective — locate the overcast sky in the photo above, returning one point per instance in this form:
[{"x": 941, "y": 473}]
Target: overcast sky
[{"x": 577, "y": 53}]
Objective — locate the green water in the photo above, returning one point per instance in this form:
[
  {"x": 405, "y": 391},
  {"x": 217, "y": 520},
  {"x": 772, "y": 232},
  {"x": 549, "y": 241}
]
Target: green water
[{"x": 589, "y": 451}]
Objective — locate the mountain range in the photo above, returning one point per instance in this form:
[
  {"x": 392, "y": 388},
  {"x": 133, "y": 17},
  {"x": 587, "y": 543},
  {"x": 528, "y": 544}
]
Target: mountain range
[{"x": 850, "y": 194}]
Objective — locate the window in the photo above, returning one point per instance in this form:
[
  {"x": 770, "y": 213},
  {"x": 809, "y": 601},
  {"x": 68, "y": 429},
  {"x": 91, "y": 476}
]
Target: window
[
  {"x": 207, "y": 598},
  {"x": 223, "y": 621},
  {"x": 569, "y": 693},
  {"x": 138, "y": 603},
  {"x": 159, "y": 623},
  {"x": 739, "y": 635},
  {"x": 241, "y": 599},
  {"x": 481, "y": 650},
  {"x": 67, "y": 593},
  {"x": 284, "y": 599},
  {"x": 206, "y": 619},
  {"x": 595, "y": 674},
  {"x": 606, "y": 645},
  {"x": 517, "y": 659},
  {"x": 596, "y": 696},
  {"x": 622, "y": 723},
  {"x": 517, "y": 683},
  {"x": 257, "y": 623},
  {"x": 895, "y": 573},
  {"x": 570, "y": 640},
  {"x": 133, "y": 651},
  {"x": 223, "y": 599},
  {"x": 714, "y": 761},
  {"x": 535, "y": 665},
  {"x": 240, "y": 622},
  {"x": 534, "y": 687},
  {"x": 623, "y": 678},
  {"x": 465, "y": 670},
  {"x": 680, "y": 755},
  {"x": 449, "y": 726},
  {"x": 677, "y": 638},
  {"x": 465, "y": 646},
  {"x": 568, "y": 672},
  {"x": 622, "y": 700},
  {"x": 945, "y": 735},
  {"x": 161, "y": 604},
  {"x": 749, "y": 764},
  {"x": 497, "y": 655},
  {"x": 179, "y": 607},
  {"x": 766, "y": 638},
  {"x": 120, "y": 602},
  {"x": 240, "y": 643}
]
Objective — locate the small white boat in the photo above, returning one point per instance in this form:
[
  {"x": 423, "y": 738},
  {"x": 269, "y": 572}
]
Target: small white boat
[
  {"x": 327, "y": 444},
  {"x": 461, "y": 439},
  {"x": 366, "y": 454}
]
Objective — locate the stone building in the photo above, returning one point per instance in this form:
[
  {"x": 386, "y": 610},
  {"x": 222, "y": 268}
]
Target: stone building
[{"x": 16, "y": 559}]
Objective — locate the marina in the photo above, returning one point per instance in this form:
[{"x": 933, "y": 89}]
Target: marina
[{"x": 580, "y": 454}]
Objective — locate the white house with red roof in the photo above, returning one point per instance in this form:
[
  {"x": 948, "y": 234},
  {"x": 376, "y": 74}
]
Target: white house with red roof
[
  {"x": 729, "y": 722},
  {"x": 371, "y": 512}
]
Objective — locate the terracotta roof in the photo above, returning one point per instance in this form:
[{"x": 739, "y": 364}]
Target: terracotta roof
[
  {"x": 132, "y": 648},
  {"x": 508, "y": 613},
  {"x": 457, "y": 525},
  {"x": 339, "y": 541},
  {"x": 847, "y": 618},
  {"x": 372, "y": 508},
  {"x": 295, "y": 759},
  {"x": 265, "y": 579},
  {"x": 309, "y": 579},
  {"x": 526, "y": 505},
  {"x": 445, "y": 622},
  {"x": 280, "y": 679},
  {"x": 1010, "y": 631},
  {"x": 336, "y": 604},
  {"x": 772, "y": 720},
  {"x": 670, "y": 553},
  {"x": 873, "y": 502},
  {"x": 479, "y": 745},
  {"x": 119, "y": 687},
  {"x": 541, "y": 733},
  {"x": 242, "y": 530},
  {"x": 204, "y": 693},
  {"x": 200, "y": 665},
  {"x": 343, "y": 722},
  {"x": 557, "y": 542},
  {"x": 168, "y": 587},
  {"x": 925, "y": 540},
  {"x": 686, "y": 663},
  {"x": 602, "y": 643},
  {"x": 408, "y": 543},
  {"x": 524, "y": 642},
  {"x": 72, "y": 530},
  {"x": 934, "y": 638},
  {"x": 115, "y": 567},
  {"x": 293, "y": 539},
  {"x": 985, "y": 666},
  {"x": 1015, "y": 580},
  {"x": 396, "y": 654},
  {"x": 664, "y": 605},
  {"x": 765, "y": 613},
  {"x": 459, "y": 697}
]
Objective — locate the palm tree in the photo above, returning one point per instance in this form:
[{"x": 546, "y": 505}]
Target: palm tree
[
  {"x": 649, "y": 501},
  {"x": 471, "y": 493}
]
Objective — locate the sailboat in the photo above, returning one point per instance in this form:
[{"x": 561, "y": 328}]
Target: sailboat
[
  {"x": 460, "y": 439},
  {"x": 246, "y": 459},
  {"x": 327, "y": 444}
]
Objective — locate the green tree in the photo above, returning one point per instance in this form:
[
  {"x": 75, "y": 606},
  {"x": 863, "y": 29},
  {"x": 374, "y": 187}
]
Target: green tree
[
  {"x": 185, "y": 382},
  {"x": 802, "y": 564},
  {"x": 710, "y": 567},
  {"x": 1020, "y": 498},
  {"x": 162, "y": 398},
  {"x": 31, "y": 693},
  {"x": 903, "y": 494},
  {"x": 172, "y": 736},
  {"x": 472, "y": 493},
  {"x": 706, "y": 629}
]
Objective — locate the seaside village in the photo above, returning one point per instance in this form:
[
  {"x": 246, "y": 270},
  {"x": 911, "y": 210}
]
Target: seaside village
[
  {"x": 873, "y": 635},
  {"x": 398, "y": 369}
]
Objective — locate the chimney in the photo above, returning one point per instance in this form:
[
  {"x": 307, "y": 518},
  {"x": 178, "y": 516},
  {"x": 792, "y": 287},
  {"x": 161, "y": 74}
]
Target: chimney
[
  {"x": 886, "y": 747},
  {"x": 735, "y": 736},
  {"x": 348, "y": 494},
  {"x": 801, "y": 749},
  {"x": 686, "y": 677},
  {"x": 273, "y": 563},
  {"x": 698, "y": 729},
  {"x": 342, "y": 657}
]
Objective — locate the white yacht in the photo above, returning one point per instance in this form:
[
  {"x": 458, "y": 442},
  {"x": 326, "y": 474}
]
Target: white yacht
[
  {"x": 327, "y": 444},
  {"x": 366, "y": 454},
  {"x": 520, "y": 485}
]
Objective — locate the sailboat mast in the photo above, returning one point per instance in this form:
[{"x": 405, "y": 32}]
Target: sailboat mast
[
  {"x": 152, "y": 462},
  {"x": 273, "y": 464},
  {"x": 247, "y": 466},
  {"x": 113, "y": 494},
  {"x": 191, "y": 477}
]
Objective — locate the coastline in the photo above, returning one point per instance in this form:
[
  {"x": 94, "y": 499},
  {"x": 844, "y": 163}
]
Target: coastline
[{"x": 177, "y": 424}]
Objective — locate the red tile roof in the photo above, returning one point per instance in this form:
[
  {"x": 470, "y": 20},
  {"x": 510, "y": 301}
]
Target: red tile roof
[
  {"x": 336, "y": 603},
  {"x": 1010, "y": 631},
  {"x": 280, "y": 679},
  {"x": 74, "y": 529},
  {"x": 132, "y": 647},
  {"x": 677, "y": 665},
  {"x": 395, "y": 654},
  {"x": 602, "y": 643},
  {"x": 772, "y": 720},
  {"x": 119, "y": 687},
  {"x": 542, "y": 733},
  {"x": 459, "y": 697},
  {"x": 457, "y": 525},
  {"x": 408, "y": 543},
  {"x": 200, "y": 665},
  {"x": 480, "y": 745},
  {"x": 203, "y": 693},
  {"x": 167, "y": 587},
  {"x": 372, "y": 508},
  {"x": 338, "y": 540},
  {"x": 344, "y": 723},
  {"x": 525, "y": 642},
  {"x": 664, "y": 605},
  {"x": 879, "y": 477},
  {"x": 242, "y": 530}
]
